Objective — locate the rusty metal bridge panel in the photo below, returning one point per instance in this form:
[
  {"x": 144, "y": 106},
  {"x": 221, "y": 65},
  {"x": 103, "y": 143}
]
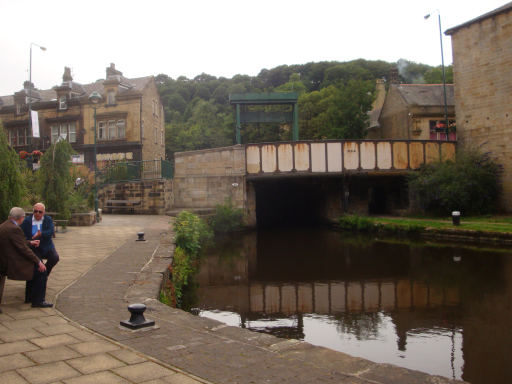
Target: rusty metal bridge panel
[{"x": 344, "y": 156}]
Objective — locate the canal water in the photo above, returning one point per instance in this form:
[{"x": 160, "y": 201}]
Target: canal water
[{"x": 438, "y": 308}]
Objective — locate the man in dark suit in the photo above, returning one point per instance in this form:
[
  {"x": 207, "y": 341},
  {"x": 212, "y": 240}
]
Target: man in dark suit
[
  {"x": 18, "y": 262},
  {"x": 39, "y": 226}
]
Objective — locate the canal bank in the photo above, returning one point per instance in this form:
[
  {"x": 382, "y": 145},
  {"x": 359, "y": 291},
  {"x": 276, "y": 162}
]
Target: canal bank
[
  {"x": 207, "y": 349},
  {"x": 478, "y": 231}
]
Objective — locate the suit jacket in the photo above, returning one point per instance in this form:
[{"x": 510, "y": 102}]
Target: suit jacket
[
  {"x": 47, "y": 230},
  {"x": 16, "y": 258}
]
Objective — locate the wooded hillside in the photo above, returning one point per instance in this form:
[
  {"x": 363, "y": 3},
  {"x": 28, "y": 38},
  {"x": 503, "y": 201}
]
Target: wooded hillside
[{"x": 334, "y": 98}]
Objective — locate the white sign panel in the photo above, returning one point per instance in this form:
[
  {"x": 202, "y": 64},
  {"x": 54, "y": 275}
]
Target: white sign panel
[
  {"x": 77, "y": 159},
  {"x": 35, "y": 124}
]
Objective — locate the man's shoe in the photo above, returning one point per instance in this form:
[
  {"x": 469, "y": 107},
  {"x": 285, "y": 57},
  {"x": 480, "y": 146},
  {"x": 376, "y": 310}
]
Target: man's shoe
[
  {"x": 0, "y": 310},
  {"x": 44, "y": 304}
]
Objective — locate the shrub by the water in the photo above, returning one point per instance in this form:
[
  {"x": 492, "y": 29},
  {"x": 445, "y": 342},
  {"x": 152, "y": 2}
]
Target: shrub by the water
[
  {"x": 191, "y": 233},
  {"x": 227, "y": 218},
  {"x": 470, "y": 184}
]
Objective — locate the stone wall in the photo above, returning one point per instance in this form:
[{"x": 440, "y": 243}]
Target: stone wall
[
  {"x": 151, "y": 196},
  {"x": 207, "y": 177},
  {"x": 482, "y": 66}
]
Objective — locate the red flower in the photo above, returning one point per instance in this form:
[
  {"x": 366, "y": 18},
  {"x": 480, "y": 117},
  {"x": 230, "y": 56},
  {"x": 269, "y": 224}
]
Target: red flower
[
  {"x": 23, "y": 154},
  {"x": 36, "y": 153}
]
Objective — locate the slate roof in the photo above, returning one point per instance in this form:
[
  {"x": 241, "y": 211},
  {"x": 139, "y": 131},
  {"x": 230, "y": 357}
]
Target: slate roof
[
  {"x": 425, "y": 95},
  {"x": 503, "y": 9},
  {"x": 50, "y": 94}
]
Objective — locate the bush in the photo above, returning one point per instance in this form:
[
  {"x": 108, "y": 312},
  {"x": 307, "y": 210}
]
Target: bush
[
  {"x": 191, "y": 233},
  {"x": 356, "y": 223},
  {"x": 81, "y": 198},
  {"x": 182, "y": 268},
  {"x": 11, "y": 182},
  {"x": 471, "y": 184},
  {"x": 55, "y": 179},
  {"x": 31, "y": 188},
  {"x": 227, "y": 218}
]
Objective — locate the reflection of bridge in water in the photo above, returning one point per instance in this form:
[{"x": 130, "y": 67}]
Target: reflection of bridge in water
[{"x": 329, "y": 298}]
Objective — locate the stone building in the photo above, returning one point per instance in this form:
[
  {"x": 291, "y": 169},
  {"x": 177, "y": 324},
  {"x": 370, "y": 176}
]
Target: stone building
[
  {"x": 130, "y": 118},
  {"x": 411, "y": 112},
  {"x": 482, "y": 68}
]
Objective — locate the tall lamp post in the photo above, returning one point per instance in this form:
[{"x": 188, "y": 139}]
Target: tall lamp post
[
  {"x": 95, "y": 98},
  {"x": 442, "y": 67},
  {"x": 30, "y": 95}
]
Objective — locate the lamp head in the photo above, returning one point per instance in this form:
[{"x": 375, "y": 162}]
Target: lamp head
[
  {"x": 426, "y": 16},
  {"x": 43, "y": 48},
  {"x": 94, "y": 97}
]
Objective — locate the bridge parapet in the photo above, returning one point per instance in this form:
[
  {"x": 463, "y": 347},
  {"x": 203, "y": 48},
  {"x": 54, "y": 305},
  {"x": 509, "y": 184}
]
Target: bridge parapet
[{"x": 344, "y": 156}]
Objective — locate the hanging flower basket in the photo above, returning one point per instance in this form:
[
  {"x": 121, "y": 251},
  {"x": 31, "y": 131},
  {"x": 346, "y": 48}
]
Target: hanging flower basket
[
  {"x": 36, "y": 153},
  {"x": 23, "y": 154}
]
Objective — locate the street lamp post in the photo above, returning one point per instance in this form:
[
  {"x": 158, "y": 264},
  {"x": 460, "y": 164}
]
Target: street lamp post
[
  {"x": 95, "y": 98},
  {"x": 442, "y": 68},
  {"x": 30, "y": 96}
]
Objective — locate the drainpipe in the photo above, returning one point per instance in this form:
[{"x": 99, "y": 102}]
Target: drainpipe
[{"x": 409, "y": 115}]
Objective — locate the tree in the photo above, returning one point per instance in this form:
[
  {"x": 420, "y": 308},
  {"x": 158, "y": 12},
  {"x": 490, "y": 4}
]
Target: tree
[
  {"x": 293, "y": 85},
  {"x": 336, "y": 112},
  {"x": 11, "y": 185},
  {"x": 55, "y": 180},
  {"x": 435, "y": 75}
]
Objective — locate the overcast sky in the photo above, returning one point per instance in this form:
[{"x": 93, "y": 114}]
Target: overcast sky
[{"x": 221, "y": 37}]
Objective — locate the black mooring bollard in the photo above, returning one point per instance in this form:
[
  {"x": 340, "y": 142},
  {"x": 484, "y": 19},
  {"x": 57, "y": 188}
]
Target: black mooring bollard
[
  {"x": 140, "y": 236},
  {"x": 137, "y": 319}
]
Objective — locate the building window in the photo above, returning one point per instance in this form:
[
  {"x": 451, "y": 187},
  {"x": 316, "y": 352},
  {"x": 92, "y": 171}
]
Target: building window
[
  {"x": 21, "y": 108},
  {"x": 101, "y": 130},
  {"x": 12, "y": 137},
  {"x": 72, "y": 133},
  {"x": 111, "y": 97},
  {"x": 161, "y": 136},
  {"x": 55, "y": 133},
  {"x": 156, "y": 134},
  {"x": 63, "y": 103},
  {"x": 111, "y": 129},
  {"x": 121, "y": 128},
  {"x": 65, "y": 130},
  {"x": 438, "y": 130}
]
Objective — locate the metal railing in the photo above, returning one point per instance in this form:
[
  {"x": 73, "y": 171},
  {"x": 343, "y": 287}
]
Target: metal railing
[{"x": 135, "y": 170}]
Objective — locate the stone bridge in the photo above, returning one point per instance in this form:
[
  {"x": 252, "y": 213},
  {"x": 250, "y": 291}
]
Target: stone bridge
[{"x": 306, "y": 179}]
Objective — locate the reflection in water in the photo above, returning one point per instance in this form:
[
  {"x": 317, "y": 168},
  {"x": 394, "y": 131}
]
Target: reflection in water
[{"x": 438, "y": 309}]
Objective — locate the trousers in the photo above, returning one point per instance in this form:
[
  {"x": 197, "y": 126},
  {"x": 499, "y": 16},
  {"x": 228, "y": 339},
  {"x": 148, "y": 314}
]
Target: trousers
[{"x": 35, "y": 289}]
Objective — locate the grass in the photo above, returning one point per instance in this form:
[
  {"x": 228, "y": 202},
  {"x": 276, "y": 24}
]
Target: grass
[{"x": 479, "y": 223}]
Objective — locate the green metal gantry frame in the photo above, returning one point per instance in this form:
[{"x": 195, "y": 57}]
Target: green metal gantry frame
[{"x": 288, "y": 98}]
